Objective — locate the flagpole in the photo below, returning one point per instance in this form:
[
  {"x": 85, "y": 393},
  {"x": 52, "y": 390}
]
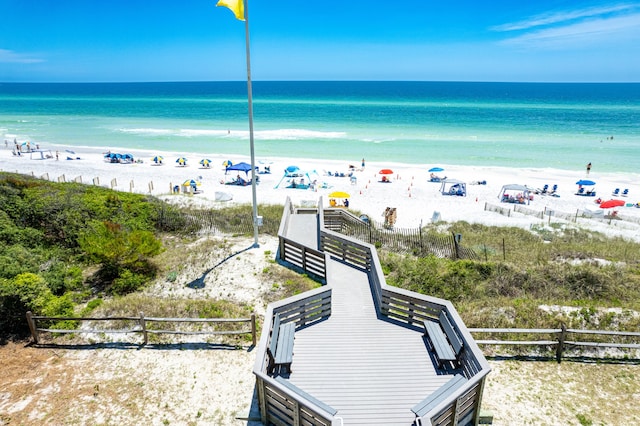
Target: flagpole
[{"x": 251, "y": 147}]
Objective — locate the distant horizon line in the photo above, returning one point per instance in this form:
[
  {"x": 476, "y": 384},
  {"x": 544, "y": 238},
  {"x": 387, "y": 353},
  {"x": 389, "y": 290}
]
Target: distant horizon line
[{"x": 318, "y": 81}]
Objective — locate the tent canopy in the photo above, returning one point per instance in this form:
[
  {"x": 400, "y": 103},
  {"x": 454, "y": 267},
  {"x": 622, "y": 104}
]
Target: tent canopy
[
  {"x": 241, "y": 167},
  {"x": 453, "y": 187},
  {"x": 514, "y": 187}
]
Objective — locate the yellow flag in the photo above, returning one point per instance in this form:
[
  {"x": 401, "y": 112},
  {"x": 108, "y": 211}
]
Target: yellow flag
[{"x": 236, "y": 6}]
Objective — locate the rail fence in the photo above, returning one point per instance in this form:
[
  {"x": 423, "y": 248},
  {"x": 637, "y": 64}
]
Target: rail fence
[
  {"x": 562, "y": 339},
  {"x": 140, "y": 324}
]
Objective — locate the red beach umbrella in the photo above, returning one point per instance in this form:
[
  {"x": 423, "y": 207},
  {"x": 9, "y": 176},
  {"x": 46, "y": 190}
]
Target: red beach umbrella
[
  {"x": 612, "y": 203},
  {"x": 386, "y": 172}
]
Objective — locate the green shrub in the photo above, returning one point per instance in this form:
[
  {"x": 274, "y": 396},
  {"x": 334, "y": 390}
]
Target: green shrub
[{"x": 128, "y": 282}]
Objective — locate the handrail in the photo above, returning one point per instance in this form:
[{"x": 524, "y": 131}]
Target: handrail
[{"x": 398, "y": 305}]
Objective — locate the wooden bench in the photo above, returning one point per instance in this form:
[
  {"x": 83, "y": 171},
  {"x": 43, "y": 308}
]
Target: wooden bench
[
  {"x": 446, "y": 344},
  {"x": 432, "y": 401},
  {"x": 280, "y": 349},
  {"x": 286, "y": 383}
]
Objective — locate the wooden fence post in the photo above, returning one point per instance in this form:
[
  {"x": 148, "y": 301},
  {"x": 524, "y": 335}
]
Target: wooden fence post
[
  {"x": 143, "y": 325},
  {"x": 32, "y": 327},
  {"x": 253, "y": 328},
  {"x": 561, "y": 337},
  {"x": 455, "y": 246}
]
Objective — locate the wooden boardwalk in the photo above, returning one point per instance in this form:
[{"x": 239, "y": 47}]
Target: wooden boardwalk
[
  {"x": 303, "y": 229},
  {"x": 372, "y": 371}
]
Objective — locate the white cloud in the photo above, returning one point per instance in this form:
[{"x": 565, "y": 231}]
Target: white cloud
[
  {"x": 586, "y": 33},
  {"x": 9, "y": 56},
  {"x": 564, "y": 16}
]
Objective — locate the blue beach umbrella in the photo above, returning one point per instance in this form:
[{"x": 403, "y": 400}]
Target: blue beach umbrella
[
  {"x": 181, "y": 161},
  {"x": 205, "y": 162},
  {"x": 227, "y": 163},
  {"x": 585, "y": 182},
  {"x": 436, "y": 169},
  {"x": 158, "y": 159}
]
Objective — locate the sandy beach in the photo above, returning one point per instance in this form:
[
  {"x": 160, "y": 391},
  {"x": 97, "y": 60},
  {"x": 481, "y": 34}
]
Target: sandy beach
[
  {"x": 222, "y": 379},
  {"x": 415, "y": 198}
]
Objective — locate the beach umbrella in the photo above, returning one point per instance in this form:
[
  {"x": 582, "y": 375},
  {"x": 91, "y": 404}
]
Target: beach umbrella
[
  {"x": 227, "y": 163},
  {"x": 292, "y": 169},
  {"x": 436, "y": 169},
  {"x": 339, "y": 194},
  {"x": 205, "y": 162},
  {"x": 585, "y": 182},
  {"x": 158, "y": 159},
  {"x": 386, "y": 172},
  {"x": 191, "y": 182},
  {"x": 611, "y": 204},
  {"x": 181, "y": 161}
]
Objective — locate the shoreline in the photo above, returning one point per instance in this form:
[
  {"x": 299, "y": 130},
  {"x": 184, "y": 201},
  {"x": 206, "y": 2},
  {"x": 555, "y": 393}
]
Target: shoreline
[{"x": 416, "y": 199}]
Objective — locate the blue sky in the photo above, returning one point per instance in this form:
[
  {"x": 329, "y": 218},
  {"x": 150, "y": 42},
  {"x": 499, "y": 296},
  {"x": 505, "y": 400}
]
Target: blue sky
[{"x": 192, "y": 40}]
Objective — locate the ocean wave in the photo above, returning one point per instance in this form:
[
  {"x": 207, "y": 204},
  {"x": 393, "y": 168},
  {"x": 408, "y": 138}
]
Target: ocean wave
[
  {"x": 278, "y": 134},
  {"x": 146, "y": 131},
  {"x": 190, "y": 133},
  {"x": 297, "y": 134}
]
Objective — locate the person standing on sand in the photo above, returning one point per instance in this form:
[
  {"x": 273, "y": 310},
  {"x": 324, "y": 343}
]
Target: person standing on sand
[
  {"x": 57, "y": 154},
  {"x": 363, "y": 163},
  {"x": 588, "y": 168}
]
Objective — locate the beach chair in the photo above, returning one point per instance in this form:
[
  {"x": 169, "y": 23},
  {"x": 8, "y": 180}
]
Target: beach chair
[
  {"x": 616, "y": 192},
  {"x": 625, "y": 192},
  {"x": 545, "y": 188}
]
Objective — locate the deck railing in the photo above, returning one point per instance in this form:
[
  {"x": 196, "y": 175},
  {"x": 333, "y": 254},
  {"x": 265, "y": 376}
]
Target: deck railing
[
  {"x": 399, "y": 240},
  {"x": 278, "y": 404},
  {"x": 307, "y": 259},
  {"x": 412, "y": 308}
]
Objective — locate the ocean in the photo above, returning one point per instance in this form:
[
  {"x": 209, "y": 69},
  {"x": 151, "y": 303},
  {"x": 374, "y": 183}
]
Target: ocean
[{"x": 532, "y": 125}]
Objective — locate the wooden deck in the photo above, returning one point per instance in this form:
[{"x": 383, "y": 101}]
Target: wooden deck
[
  {"x": 372, "y": 371},
  {"x": 303, "y": 229}
]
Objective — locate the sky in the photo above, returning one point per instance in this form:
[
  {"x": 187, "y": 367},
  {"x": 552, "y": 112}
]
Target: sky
[{"x": 415, "y": 40}]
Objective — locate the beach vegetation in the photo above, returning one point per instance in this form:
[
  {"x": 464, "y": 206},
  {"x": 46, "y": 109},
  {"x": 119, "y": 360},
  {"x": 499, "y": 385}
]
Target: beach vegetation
[
  {"x": 62, "y": 242},
  {"x": 589, "y": 274}
]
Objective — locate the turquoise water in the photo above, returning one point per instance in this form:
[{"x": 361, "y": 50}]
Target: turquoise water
[{"x": 539, "y": 125}]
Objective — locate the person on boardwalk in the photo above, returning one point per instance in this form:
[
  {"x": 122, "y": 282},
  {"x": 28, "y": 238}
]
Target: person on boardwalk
[{"x": 588, "y": 168}]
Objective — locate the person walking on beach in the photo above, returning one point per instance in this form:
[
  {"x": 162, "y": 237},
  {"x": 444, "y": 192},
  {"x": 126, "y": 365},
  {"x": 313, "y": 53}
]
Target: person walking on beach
[
  {"x": 57, "y": 154},
  {"x": 588, "y": 168}
]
